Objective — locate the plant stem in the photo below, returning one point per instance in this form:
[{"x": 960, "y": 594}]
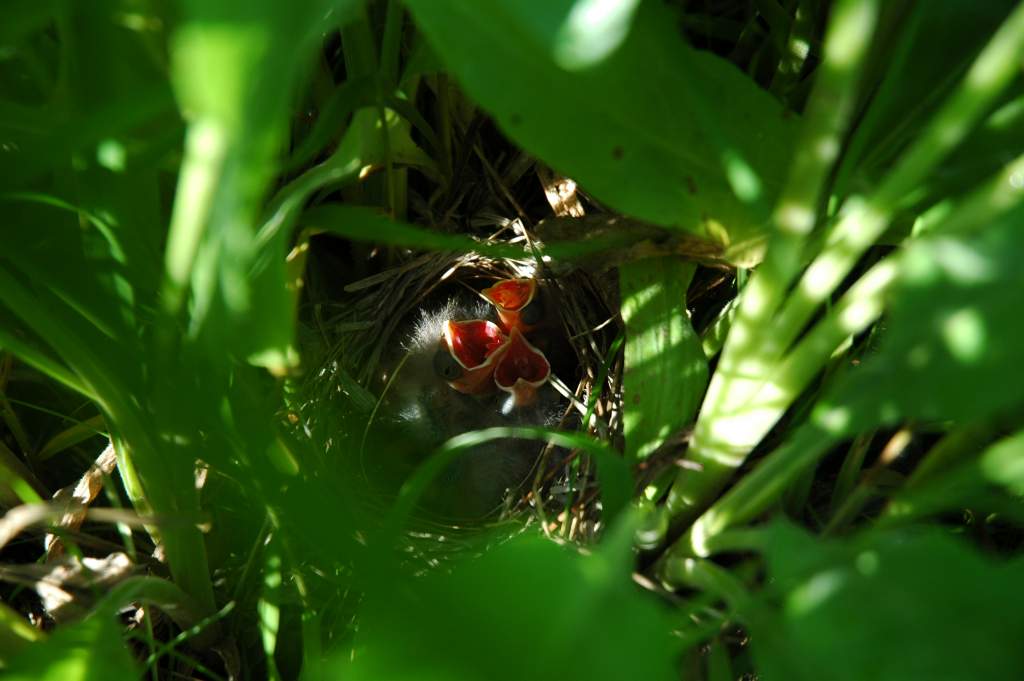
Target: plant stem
[
  {"x": 745, "y": 399},
  {"x": 759, "y": 489},
  {"x": 707, "y": 576},
  {"x": 853, "y": 462},
  {"x": 747, "y": 352},
  {"x": 861, "y": 226},
  {"x": 714, "y": 336},
  {"x": 1000, "y": 193},
  {"x": 744, "y": 427},
  {"x": 391, "y": 43}
]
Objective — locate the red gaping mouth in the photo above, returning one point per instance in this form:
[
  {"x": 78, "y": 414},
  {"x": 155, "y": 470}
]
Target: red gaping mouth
[
  {"x": 473, "y": 342},
  {"x": 488, "y": 358},
  {"x": 510, "y": 297},
  {"x": 521, "y": 369},
  {"x": 474, "y": 345}
]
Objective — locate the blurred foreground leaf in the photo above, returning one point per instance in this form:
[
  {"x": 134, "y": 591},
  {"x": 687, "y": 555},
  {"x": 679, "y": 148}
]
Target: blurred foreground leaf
[
  {"x": 889, "y": 607},
  {"x": 89, "y": 650},
  {"x": 235, "y": 66},
  {"x": 527, "y": 610}
]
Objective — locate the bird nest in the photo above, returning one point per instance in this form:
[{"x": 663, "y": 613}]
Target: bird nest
[{"x": 346, "y": 351}]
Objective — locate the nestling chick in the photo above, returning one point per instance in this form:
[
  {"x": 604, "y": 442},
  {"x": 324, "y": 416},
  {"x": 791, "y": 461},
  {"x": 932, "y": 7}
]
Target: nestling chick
[{"x": 443, "y": 385}]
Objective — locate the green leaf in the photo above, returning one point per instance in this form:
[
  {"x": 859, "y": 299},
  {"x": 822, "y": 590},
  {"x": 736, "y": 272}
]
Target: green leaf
[
  {"x": 91, "y": 281},
  {"x": 86, "y": 651},
  {"x": 23, "y": 16},
  {"x": 235, "y": 66},
  {"x": 965, "y": 480},
  {"x": 652, "y": 127},
  {"x": 934, "y": 46},
  {"x": 954, "y": 332},
  {"x": 1003, "y": 463},
  {"x": 996, "y": 141},
  {"x": 110, "y": 100},
  {"x": 353, "y": 94},
  {"x": 665, "y": 369},
  {"x": 513, "y": 614},
  {"x": 890, "y": 607},
  {"x": 15, "y": 633},
  {"x": 952, "y": 336}
]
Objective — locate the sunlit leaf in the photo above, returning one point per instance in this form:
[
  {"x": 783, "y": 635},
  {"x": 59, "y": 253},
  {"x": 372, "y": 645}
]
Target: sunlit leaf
[
  {"x": 234, "y": 66},
  {"x": 665, "y": 369}
]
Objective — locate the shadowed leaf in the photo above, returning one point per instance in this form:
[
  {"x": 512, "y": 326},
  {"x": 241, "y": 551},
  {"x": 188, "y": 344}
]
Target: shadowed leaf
[{"x": 905, "y": 597}]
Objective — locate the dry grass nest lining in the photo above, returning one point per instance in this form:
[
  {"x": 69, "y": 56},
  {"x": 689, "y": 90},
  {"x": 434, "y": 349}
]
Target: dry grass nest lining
[{"x": 368, "y": 320}]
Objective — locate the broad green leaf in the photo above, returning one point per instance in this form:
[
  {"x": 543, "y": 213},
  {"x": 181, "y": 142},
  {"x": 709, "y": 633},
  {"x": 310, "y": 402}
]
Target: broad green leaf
[
  {"x": 97, "y": 279},
  {"x": 40, "y": 139},
  {"x": 965, "y": 480},
  {"x": 998, "y": 140},
  {"x": 116, "y": 177},
  {"x": 665, "y": 369},
  {"x": 103, "y": 100},
  {"x": 514, "y": 614},
  {"x": 891, "y": 607},
  {"x": 652, "y": 127},
  {"x": 86, "y": 651}
]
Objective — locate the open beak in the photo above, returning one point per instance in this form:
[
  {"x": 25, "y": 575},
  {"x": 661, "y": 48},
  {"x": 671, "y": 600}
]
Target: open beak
[
  {"x": 511, "y": 298},
  {"x": 474, "y": 345},
  {"x": 521, "y": 369}
]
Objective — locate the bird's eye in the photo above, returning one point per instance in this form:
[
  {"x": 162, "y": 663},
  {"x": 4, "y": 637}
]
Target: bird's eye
[
  {"x": 446, "y": 366},
  {"x": 533, "y": 313}
]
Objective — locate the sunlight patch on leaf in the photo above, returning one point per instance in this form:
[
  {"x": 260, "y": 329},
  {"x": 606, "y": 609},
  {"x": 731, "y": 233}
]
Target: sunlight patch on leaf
[
  {"x": 964, "y": 333},
  {"x": 111, "y": 155},
  {"x": 592, "y": 30},
  {"x": 744, "y": 179},
  {"x": 1003, "y": 463},
  {"x": 815, "y": 593}
]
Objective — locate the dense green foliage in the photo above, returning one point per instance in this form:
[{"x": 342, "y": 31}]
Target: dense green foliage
[{"x": 843, "y": 429}]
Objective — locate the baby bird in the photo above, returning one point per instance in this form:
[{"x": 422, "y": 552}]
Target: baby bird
[{"x": 443, "y": 385}]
